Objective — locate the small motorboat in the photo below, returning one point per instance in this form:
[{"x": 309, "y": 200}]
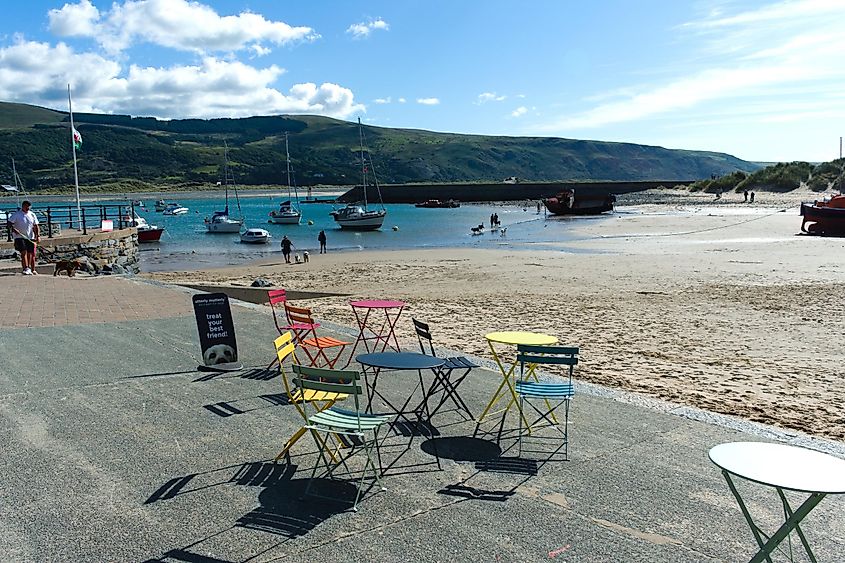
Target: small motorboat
[
  {"x": 146, "y": 232},
  {"x": 255, "y": 236},
  {"x": 825, "y": 217},
  {"x": 174, "y": 208},
  {"x": 161, "y": 205}
]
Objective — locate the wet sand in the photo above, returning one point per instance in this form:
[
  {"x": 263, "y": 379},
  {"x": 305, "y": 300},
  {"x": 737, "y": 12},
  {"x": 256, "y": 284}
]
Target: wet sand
[{"x": 703, "y": 303}]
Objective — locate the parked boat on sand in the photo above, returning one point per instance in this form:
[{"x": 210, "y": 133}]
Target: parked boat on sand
[
  {"x": 825, "y": 217},
  {"x": 566, "y": 203}
]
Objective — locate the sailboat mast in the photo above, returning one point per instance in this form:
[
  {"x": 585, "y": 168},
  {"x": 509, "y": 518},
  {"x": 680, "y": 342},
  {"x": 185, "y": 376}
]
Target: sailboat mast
[
  {"x": 287, "y": 161},
  {"x": 17, "y": 188},
  {"x": 226, "y": 173},
  {"x": 363, "y": 162},
  {"x": 75, "y": 171}
]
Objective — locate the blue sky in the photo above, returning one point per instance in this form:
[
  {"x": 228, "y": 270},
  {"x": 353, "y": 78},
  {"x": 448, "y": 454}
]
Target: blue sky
[{"x": 760, "y": 80}]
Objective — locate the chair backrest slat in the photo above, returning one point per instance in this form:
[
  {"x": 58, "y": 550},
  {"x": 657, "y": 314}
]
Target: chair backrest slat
[
  {"x": 537, "y": 349},
  {"x": 277, "y": 296},
  {"x": 298, "y": 315},
  {"x": 329, "y": 380},
  {"x": 423, "y": 336},
  {"x": 284, "y": 346},
  {"x": 541, "y": 359},
  {"x": 529, "y": 355}
]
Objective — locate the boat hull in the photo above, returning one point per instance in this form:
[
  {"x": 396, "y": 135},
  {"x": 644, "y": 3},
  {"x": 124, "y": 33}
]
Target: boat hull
[
  {"x": 822, "y": 219},
  {"x": 581, "y": 206},
  {"x": 223, "y": 227},
  {"x": 285, "y": 220},
  {"x": 361, "y": 223},
  {"x": 150, "y": 235}
]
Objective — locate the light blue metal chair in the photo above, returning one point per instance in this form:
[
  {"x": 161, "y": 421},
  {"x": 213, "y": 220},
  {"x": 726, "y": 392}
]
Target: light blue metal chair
[
  {"x": 360, "y": 427},
  {"x": 529, "y": 388}
]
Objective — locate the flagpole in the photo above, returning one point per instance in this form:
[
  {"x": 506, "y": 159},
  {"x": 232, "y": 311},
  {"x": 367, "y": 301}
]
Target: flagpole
[{"x": 75, "y": 172}]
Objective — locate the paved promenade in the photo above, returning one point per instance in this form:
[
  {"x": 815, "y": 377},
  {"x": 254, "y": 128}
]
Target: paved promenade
[{"x": 117, "y": 449}]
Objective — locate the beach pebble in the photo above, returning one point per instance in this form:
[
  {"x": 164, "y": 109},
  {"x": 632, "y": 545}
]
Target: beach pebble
[{"x": 261, "y": 282}]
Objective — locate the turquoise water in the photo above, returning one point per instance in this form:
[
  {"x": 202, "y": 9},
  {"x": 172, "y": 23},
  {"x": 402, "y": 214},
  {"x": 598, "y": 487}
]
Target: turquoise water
[{"x": 185, "y": 243}]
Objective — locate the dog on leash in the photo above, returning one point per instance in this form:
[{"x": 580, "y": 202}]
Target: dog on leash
[
  {"x": 297, "y": 259},
  {"x": 305, "y": 256},
  {"x": 69, "y": 266}
]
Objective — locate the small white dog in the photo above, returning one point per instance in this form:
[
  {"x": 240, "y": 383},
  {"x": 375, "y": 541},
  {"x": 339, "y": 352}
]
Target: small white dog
[
  {"x": 305, "y": 256},
  {"x": 297, "y": 259}
]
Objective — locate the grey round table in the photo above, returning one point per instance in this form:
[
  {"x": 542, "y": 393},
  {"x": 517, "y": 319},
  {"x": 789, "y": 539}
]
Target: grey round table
[{"x": 782, "y": 467}]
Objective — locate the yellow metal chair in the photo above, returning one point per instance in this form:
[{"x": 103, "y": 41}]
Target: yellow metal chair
[{"x": 299, "y": 397}]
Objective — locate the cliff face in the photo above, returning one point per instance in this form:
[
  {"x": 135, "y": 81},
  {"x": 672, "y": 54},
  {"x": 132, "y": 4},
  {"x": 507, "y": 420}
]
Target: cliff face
[{"x": 120, "y": 149}]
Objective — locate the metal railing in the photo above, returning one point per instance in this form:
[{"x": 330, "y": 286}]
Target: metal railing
[{"x": 55, "y": 217}]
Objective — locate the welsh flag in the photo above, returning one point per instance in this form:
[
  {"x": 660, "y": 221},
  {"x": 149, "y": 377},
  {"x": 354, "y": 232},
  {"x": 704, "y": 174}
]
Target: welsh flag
[{"x": 77, "y": 139}]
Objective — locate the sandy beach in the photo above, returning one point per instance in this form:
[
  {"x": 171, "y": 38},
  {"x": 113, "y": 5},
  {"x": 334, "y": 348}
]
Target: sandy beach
[{"x": 698, "y": 302}]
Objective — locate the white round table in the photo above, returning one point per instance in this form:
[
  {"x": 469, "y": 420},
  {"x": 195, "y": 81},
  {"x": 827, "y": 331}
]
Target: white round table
[{"x": 782, "y": 467}]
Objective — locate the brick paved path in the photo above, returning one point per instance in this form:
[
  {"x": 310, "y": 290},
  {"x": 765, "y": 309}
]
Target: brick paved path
[{"x": 44, "y": 300}]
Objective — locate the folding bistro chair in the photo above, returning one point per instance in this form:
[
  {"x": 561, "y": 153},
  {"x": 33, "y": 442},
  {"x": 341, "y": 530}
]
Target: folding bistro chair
[
  {"x": 333, "y": 420},
  {"x": 299, "y": 398},
  {"x": 443, "y": 375},
  {"x": 529, "y": 357},
  {"x": 315, "y": 347},
  {"x": 277, "y": 299}
]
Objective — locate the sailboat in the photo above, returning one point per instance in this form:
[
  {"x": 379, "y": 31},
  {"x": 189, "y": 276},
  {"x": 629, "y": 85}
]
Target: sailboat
[
  {"x": 356, "y": 216},
  {"x": 220, "y": 221},
  {"x": 288, "y": 213}
]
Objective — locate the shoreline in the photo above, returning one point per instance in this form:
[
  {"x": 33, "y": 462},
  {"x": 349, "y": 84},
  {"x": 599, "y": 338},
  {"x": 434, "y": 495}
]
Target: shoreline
[{"x": 728, "y": 314}]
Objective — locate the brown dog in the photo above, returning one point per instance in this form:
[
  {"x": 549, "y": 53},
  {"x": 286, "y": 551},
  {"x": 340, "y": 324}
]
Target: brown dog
[{"x": 69, "y": 266}]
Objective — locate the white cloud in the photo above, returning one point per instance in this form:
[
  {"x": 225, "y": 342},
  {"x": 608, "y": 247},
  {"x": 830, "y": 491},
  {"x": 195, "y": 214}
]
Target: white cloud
[
  {"x": 792, "y": 46},
  {"x": 428, "y": 101},
  {"x": 382, "y": 100},
  {"x": 485, "y": 97},
  {"x": 363, "y": 29},
  {"x": 402, "y": 100},
  {"x": 177, "y": 24},
  {"x": 37, "y": 73},
  {"x": 520, "y": 111}
]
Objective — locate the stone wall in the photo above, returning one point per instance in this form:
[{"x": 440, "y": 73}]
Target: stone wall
[{"x": 104, "y": 249}]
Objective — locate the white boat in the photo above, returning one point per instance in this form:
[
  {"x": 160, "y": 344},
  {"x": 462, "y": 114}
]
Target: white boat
[
  {"x": 146, "y": 232},
  {"x": 255, "y": 236},
  {"x": 357, "y": 216},
  {"x": 220, "y": 221},
  {"x": 174, "y": 208},
  {"x": 288, "y": 212}
]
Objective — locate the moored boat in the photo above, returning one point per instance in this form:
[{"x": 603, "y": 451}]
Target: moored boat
[
  {"x": 437, "y": 204},
  {"x": 147, "y": 232},
  {"x": 357, "y": 216},
  {"x": 288, "y": 212},
  {"x": 825, "y": 217},
  {"x": 220, "y": 221},
  {"x": 566, "y": 203},
  {"x": 174, "y": 208},
  {"x": 161, "y": 205},
  {"x": 255, "y": 236}
]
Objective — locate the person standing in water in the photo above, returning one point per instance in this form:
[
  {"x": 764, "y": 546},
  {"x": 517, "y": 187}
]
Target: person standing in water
[{"x": 322, "y": 239}]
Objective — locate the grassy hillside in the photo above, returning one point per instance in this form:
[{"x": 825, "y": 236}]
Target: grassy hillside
[
  {"x": 781, "y": 177},
  {"x": 121, "y": 149}
]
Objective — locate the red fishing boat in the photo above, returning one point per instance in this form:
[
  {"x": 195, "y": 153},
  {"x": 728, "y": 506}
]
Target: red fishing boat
[
  {"x": 826, "y": 217},
  {"x": 147, "y": 232},
  {"x": 566, "y": 203}
]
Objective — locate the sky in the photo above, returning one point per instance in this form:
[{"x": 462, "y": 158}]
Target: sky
[{"x": 761, "y": 80}]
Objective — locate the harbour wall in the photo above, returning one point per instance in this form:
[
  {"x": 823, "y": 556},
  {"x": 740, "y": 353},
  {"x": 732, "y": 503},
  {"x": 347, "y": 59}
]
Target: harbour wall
[
  {"x": 414, "y": 193},
  {"x": 105, "y": 249}
]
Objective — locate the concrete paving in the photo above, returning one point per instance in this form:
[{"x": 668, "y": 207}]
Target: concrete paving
[{"x": 117, "y": 449}]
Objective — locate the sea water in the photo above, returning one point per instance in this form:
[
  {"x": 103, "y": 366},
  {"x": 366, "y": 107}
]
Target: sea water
[{"x": 186, "y": 244}]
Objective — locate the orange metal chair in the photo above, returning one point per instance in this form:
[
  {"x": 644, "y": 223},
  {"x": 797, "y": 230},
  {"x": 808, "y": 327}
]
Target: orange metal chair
[
  {"x": 278, "y": 298},
  {"x": 315, "y": 347}
]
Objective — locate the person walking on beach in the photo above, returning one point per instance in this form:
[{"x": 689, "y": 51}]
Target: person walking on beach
[
  {"x": 538, "y": 208},
  {"x": 745, "y": 195},
  {"x": 492, "y": 220},
  {"x": 24, "y": 226},
  {"x": 751, "y": 200},
  {"x": 322, "y": 239},
  {"x": 286, "y": 245}
]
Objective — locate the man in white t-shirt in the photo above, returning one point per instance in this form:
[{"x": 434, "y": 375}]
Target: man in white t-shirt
[{"x": 24, "y": 226}]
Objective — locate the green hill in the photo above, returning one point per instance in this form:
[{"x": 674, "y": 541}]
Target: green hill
[
  {"x": 781, "y": 177},
  {"x": 120, "y": 150}
]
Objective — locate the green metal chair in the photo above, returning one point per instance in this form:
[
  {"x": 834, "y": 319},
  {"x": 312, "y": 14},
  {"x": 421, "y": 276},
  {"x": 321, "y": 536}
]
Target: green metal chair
[
  {"x": 553, "y": 395},
  {"x": 333, "y": 420}
]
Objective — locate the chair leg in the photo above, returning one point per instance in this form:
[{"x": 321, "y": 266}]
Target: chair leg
[{"x": 521, "y": 406}]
